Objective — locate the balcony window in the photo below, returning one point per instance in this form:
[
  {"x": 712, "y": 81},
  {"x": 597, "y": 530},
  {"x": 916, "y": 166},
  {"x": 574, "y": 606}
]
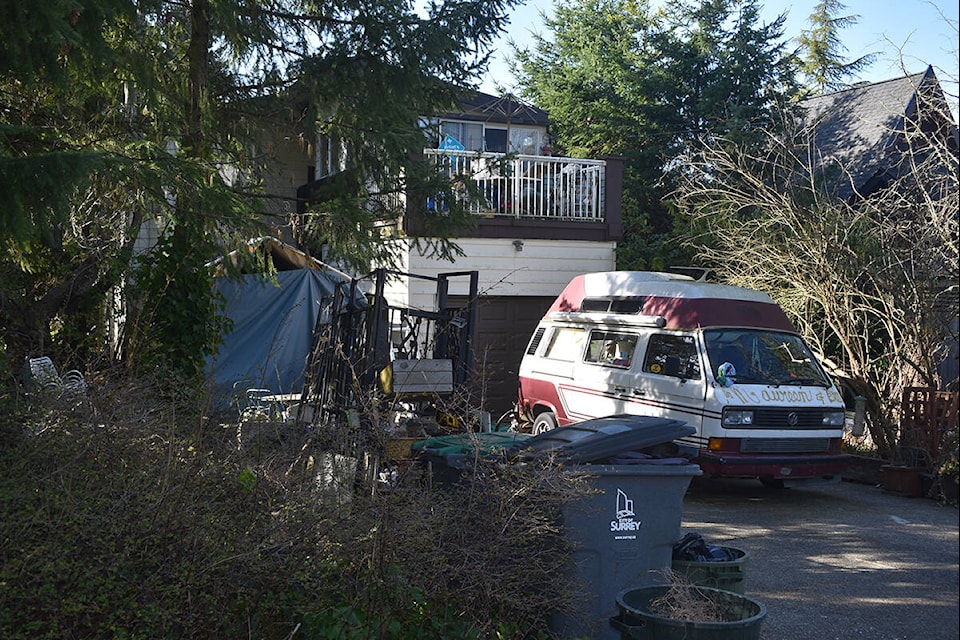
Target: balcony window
[
  {"x": 525, "y": 141},
  {"x": 329, "y": 156},
  {"x": 469, "y": 134},
  {"x": 495, "y": 140}
]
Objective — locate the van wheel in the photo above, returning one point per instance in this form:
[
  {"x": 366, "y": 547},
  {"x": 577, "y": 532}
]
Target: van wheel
[
  {"x": 775, "y": 484},
  {"x": 546, "y": 421}
]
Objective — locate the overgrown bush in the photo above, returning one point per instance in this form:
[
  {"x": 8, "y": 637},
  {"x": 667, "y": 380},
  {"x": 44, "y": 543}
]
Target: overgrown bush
[
  {"x": 141, "y": 519},
  {"x": 129, "y": 529}
]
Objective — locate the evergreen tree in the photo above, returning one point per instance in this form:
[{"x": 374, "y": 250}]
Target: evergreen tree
[
  {"x": 721, "y": 72},
  {"x": 591, "y": 76},
  {"x": 618, "y": 77},
  {"x": 821, "y": 52},
  {"x": 584, "y": 76},
  {"x": 117, "y": 111}
]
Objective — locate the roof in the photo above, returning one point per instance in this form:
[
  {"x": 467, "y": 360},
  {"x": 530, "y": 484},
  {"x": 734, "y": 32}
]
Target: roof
[
  {"x": 283, "y": 256},
  {"x": 681, "y": 301},
  {"x": 477, "y": 106},
  {"x": 861, "y": 127}
]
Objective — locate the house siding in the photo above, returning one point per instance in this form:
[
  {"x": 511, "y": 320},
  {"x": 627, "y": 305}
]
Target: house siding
[{"x": 540, "y": 268}]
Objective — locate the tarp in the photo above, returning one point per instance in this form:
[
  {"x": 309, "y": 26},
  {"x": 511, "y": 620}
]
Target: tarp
[{"x": 272, "y": 334}]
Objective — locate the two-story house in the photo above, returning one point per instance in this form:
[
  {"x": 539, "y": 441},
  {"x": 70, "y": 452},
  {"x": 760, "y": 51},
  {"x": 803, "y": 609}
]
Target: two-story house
[{"x": 543, "y": 219}]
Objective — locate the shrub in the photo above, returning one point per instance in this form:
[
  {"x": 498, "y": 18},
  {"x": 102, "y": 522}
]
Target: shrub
[{"x": 141, "y": 519}]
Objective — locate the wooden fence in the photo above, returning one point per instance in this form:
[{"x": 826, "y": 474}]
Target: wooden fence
[{"x": 928, "y": 417}]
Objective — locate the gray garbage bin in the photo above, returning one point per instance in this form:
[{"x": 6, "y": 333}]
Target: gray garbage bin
[{"x": 623, "y": 533}]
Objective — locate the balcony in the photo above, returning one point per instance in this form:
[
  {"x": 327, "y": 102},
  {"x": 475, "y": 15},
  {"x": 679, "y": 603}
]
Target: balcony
[
  {"x": 518, "y": 196},
  {"x": 535, "y": 196},
  {"x": 527, "y": 186}
]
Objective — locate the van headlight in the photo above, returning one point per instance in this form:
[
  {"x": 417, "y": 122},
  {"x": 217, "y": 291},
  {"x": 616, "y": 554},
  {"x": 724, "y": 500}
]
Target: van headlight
[
  {"x": 737, "y": 417},
  {"x": 834, "y": 418}
]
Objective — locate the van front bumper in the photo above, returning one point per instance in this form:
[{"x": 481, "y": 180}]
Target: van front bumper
[{"x": 778, "y": 467}]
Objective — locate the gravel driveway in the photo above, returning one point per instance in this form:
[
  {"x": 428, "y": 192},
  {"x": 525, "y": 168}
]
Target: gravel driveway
[{"x": 837, "y": 561}]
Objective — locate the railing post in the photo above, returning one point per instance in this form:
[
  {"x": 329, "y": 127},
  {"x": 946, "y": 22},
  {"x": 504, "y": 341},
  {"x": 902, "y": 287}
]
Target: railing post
[{"x": 612, "y": 196}]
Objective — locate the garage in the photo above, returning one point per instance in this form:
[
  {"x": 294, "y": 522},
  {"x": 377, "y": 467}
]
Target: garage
[{"x": 504, "y": 327}]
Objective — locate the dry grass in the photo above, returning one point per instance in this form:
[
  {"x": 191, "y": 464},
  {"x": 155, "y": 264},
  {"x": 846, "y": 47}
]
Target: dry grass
[{"x": 686, "y": 601}]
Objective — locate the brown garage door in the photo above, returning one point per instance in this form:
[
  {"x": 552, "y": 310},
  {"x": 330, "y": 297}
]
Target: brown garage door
[{"x": 504, "y": 327}]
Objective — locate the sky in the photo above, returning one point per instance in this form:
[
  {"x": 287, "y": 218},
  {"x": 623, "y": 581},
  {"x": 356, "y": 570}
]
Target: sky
[{"x": 925, "y": 31}]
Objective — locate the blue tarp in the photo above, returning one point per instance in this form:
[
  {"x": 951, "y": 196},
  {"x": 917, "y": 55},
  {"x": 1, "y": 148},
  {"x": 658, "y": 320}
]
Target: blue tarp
[{"x": 272, "y": 333}]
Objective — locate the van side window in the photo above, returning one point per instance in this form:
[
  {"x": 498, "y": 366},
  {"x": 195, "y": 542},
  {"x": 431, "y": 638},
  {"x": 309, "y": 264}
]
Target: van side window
[
  {"x": 672, "y": 355},
  {"x": 565, "y": 344},
  {"x": 611, "y": 348},
  {"x": 535, "y": 341}
]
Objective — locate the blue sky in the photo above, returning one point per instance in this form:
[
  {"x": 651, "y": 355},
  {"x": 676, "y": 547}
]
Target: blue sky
[{"x": 888, "y": 28}]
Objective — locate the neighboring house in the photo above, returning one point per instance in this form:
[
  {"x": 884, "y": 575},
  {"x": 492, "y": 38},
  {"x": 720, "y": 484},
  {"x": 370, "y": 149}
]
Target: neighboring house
[
  {"x": 870, "y": 131},
  {"x": 864, "y": 130},
  {"x": 544, "y": 219}
]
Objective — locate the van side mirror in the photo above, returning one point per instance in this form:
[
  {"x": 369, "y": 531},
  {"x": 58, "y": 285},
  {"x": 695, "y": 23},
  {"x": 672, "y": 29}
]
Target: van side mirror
[{"x": 671, "y": 366}]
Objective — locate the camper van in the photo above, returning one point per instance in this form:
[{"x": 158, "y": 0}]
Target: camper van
[{"x": 723, "y": 359}]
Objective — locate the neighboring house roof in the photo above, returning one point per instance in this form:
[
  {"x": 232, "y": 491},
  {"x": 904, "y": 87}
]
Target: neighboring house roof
[
  {"x": 483, "y": 107},
  {"x": 862, "y": 129}
]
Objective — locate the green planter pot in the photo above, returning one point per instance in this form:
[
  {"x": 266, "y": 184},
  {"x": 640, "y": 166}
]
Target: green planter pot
[
  {"x": 636, "y": 622},
  {"x": 729, "y": 575}
]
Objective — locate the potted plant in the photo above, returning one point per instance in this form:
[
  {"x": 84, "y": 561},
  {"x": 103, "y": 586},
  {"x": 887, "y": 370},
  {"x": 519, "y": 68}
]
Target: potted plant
[{"x": 905, "y": 473}]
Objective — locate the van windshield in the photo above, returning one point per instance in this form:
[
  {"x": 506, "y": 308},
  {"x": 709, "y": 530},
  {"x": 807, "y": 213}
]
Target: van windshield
[{"x": 763, "y": 357}]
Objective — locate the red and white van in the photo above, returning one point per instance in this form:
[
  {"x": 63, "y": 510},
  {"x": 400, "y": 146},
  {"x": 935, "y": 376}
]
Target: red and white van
[{"x": 723, "y": 359}]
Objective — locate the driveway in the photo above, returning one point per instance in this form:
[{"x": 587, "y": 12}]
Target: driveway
[{"x": 837, "y": 561}]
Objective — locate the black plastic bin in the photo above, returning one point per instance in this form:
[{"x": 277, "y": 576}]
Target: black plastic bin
[{"x": 729, "y": 575}]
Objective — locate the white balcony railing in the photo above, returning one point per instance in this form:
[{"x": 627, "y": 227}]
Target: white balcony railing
[{"x": 520, "y": 186}]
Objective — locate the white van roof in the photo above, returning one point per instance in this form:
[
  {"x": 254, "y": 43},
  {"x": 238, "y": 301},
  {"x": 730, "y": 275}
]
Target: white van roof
[{"x": 682, "y": 302}]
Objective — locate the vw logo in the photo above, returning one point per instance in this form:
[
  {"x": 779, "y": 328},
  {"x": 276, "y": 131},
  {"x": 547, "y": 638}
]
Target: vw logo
[{"x": 793, "y": 418}]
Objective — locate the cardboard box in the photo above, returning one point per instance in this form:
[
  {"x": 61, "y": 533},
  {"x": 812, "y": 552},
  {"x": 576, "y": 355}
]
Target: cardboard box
[{"x": 418, "y": 377}]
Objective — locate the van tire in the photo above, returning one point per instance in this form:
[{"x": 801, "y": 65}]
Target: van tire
[{"x": 544, "y": 422}]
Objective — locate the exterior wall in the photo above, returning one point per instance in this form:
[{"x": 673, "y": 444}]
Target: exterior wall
[
  {"x": 397, "y": 289},
  {"x": 287, "y": 170},
  {"x": 516, "y": 287},
  {"x": 538, "y": 268}
]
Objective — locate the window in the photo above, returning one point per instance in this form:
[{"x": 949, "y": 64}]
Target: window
[
  {"x": 329, "y": 156},
  {"x": 525, "y": 141},
  {"x": 495, "y": 140},
  {"x": 611, "y": 348},
  {"x": 565, "y": 344},
  {"x": 469, "y": 134},
  {"x": 613, "y": 305},
  {"x": 764, "y": 357},
  {"x": 672, "y": 355}
]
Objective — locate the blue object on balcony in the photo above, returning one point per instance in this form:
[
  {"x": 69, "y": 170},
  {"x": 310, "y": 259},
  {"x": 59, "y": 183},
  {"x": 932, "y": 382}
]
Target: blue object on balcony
[
  {"x": 437, "y": 203},
  {"x": 449, "y": 143}
]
